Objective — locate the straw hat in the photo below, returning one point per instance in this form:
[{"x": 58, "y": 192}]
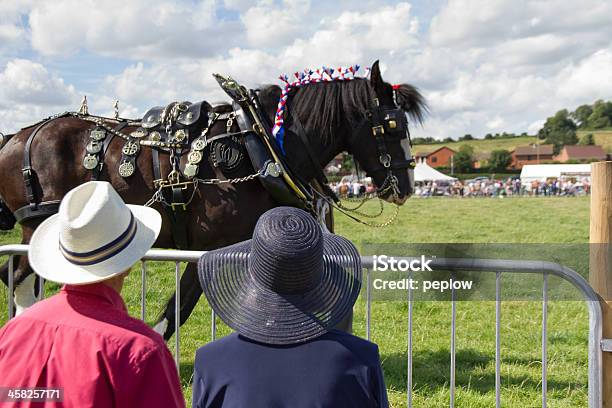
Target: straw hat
[
  {"x": 93, "y": 237},
  {"x": 292, "y": 282}
]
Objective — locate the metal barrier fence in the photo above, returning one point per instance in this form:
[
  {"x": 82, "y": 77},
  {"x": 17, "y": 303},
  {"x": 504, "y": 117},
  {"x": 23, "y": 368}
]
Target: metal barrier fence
[{"x": 596, "y": 345}]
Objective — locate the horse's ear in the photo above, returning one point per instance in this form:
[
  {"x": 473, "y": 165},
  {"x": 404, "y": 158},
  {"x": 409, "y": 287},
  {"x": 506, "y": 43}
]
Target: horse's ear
[{"x": 375, "y": 76}]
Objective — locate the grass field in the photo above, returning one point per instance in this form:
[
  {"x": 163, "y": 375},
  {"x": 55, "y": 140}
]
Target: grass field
[
  {"x": 480, "y": 145},
  {"x": 602, "y": 138},
  {"x": 518, "y": 220}
]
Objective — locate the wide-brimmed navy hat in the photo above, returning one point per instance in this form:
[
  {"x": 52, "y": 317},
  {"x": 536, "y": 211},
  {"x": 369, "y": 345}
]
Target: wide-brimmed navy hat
[{"x": 292, "y": 282}]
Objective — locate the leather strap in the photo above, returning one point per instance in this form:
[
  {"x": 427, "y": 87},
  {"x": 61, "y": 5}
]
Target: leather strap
[
  {"x": 156, "y": 168},
  {"x": 318, "y": 175},
  {"x": 97, "y": 171},
  {"x": 177, "y": 214},
  {"x": 27, "y": 171},
  {"x": 38, "y": 212}
]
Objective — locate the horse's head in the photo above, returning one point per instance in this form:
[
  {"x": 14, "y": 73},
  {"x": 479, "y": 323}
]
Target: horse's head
[
  {"x": 381, "y": 144},
  {"x": 367, "y": 118}
]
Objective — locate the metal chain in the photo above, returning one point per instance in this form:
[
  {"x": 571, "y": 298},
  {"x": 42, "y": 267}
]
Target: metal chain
[
  {"x": 158, "y": 196},
  {"x": 367, "y": 223},
  {"x": 230, "y": 181},
  {"x": 389, "y": 183},
  {"x": 356, "y": 210}
]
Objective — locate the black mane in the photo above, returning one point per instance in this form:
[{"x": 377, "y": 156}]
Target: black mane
[{"x": 322, "y": 107}]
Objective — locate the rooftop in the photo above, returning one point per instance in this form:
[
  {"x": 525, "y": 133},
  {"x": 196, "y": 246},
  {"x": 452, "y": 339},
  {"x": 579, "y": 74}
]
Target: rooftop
[
  {"x": 585, "y": 152},
  {"x": 543, "y": 149}
]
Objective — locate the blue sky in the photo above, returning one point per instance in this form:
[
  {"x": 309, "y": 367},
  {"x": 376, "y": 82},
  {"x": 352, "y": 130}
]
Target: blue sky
[{"x": 485, "y": 66}]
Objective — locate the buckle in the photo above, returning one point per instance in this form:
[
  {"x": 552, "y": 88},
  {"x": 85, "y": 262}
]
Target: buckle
[
  {"x": 378, "y": 130},
  {"x": 182, "y": 205}
]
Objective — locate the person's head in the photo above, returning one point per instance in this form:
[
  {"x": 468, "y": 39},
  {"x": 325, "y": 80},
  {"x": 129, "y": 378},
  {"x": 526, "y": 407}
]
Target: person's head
[
  {"x": 95, "y": 237},
  {"x": 290, "y": 283},
  {"x": 116, "y": 282}
]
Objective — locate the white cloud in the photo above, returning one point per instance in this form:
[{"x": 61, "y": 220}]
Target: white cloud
[
  {"x": 484, "y": 65},
  {"x": 508, "y": 65},
  {"x": 24, "y": 81},
  {"x": 588, "y": 79},
  {"x": 386, "y": 33},
  {"x": 28, "y": 92},
  {"x": 13, "y": 33},
  {"x": 363, "y": 37},
  {"x": 152, "y": 29},
  {"x": 268, "y": 26},
  {"x": 471, "y": 23}
]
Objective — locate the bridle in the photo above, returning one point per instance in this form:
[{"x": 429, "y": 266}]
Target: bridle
[
  {"x": 385, "y": 124},
  {"x": 388, "y": 124}
]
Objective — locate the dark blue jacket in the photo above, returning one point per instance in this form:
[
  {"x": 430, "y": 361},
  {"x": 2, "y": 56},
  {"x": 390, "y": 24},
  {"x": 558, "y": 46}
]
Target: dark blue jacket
[{"x": 335, "y": 370}]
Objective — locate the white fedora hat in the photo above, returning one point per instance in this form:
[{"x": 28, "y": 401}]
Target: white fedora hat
[{"x": 93, "y": 237}]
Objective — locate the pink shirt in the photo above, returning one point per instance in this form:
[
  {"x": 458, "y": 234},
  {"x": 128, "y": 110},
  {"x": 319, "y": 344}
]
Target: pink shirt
[{"x": 83, "y": 340}]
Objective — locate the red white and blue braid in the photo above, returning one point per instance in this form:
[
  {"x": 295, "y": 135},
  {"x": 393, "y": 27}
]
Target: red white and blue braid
[{"x": 303, "y": 78}]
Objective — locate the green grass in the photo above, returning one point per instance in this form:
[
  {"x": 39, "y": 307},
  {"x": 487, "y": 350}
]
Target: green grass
[
  {"x": 602, "y": 138},
  {"x": 516, "y": 220},
  {"x": 480, "y": 145}
]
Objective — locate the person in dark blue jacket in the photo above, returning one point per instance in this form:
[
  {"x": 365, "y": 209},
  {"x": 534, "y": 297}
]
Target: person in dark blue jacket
[{"x": 283, "y": 292}]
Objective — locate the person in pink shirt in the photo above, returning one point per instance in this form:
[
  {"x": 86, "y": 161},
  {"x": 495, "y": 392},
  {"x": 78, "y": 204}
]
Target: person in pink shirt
[{"x": 81, "y": 341}]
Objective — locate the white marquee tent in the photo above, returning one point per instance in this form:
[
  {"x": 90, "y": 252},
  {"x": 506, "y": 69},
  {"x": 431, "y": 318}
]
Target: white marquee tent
[
  {"x": 424, "y": 172},
  {"x": 541, "y": 172}
]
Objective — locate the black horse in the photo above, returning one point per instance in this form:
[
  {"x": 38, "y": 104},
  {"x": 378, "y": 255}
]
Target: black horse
[{"x": 334, "y": 117}]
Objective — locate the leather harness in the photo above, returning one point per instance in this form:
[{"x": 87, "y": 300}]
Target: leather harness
[
  {"x": 176, "y": 211},
  {"x": 97, "y": 171},
  {"x": 35, "y": 211},
  {"x": 275, "y": 173}
]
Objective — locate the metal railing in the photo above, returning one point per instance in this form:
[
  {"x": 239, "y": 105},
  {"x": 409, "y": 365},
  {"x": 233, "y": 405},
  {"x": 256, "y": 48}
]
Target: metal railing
[{"x": 596, "y": 345}]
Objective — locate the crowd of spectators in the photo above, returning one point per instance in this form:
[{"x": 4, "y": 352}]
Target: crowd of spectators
[
  {"x": 478, "y": 187},
  {"x": 485, "y": 187},
  {"x": 354, "y": 188}
]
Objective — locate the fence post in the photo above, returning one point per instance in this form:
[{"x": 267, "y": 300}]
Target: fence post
[{"x": 600, "y": 271}]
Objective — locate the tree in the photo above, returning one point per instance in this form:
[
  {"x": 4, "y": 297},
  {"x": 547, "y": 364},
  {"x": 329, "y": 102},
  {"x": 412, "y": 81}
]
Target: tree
[
  {"x": 467, "y": 137},
  {"x": 423, "y": 140},
  {"x": 448, "y": 140},
  {"x": 500, "y": 160},
  {"x": 488, "y": 136},
  {"x": 587, "y": 139},
  {"x": 559, "y": 130},
  {"x": 581, "y": 115},
  {"x": 347, "y": 165},
  {"x": 601, "y": 117},
  {"x": 463, "y": 159}
]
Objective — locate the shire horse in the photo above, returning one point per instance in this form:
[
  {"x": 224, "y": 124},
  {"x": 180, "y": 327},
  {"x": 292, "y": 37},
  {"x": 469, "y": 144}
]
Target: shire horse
[{"x": 336, "y": 116}]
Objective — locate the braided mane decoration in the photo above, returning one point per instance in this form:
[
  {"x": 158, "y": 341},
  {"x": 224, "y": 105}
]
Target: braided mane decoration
[{"x": 304, "y": 78}]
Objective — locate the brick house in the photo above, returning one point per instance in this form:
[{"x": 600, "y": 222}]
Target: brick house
[
  {"x": 532, "y": 154},
  {"x": 579, "y": 152},
  {"x": 438, "y": 158}
]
